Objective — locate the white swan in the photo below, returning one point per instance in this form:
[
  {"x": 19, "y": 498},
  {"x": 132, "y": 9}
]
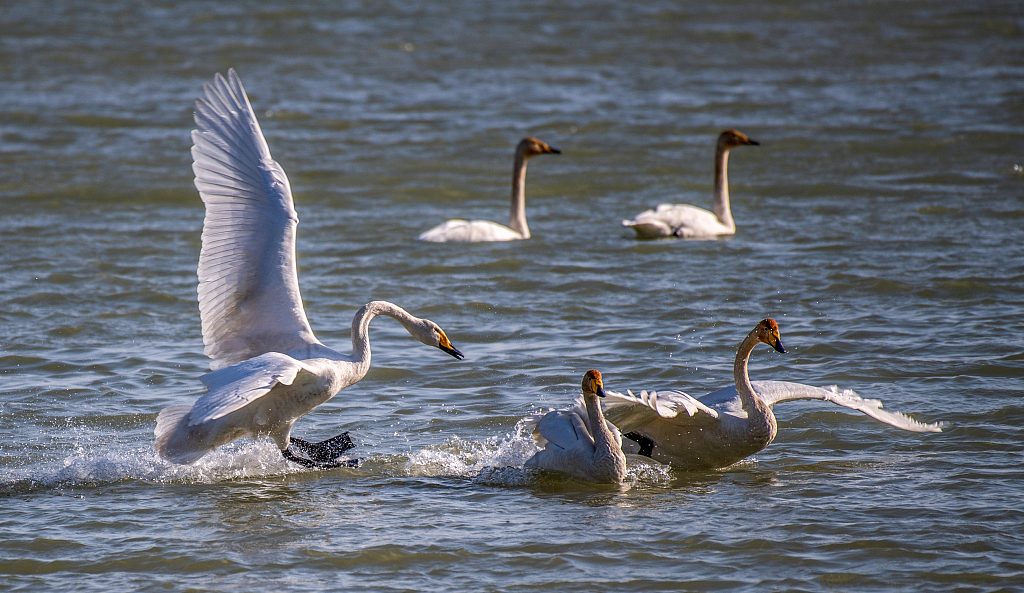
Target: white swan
[
  {"x": 579, "y": 441},
  {"x": 268, "y": 367},
  {"x": 476, "y": 231},
  {"x": 691, "y": 222},
  {"x": 727, "y": 425}
]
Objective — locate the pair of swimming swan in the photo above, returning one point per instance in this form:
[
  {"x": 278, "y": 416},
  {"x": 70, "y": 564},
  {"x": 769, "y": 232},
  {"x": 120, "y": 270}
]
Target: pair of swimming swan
[
  {"x": 268, "y": 368},
  {"x": 667, "y": 220},
  {"x": 713, "y": 432}
]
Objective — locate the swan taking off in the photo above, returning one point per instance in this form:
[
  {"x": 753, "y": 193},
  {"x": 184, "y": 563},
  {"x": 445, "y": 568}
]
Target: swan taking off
[
  {"x": 691, "y": 222},
  {"x": 268, "y": 368},
  {"x": 579, "y": 441},
  {"x": 476, "y": 231},
  {"x": 727, "y": 425}
]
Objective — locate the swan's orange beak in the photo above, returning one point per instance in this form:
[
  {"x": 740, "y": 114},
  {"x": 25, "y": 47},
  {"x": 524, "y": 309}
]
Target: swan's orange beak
[
  {"x": 445, "y": 346},
  {"x": 753, "y": 142},
  {"x": 553, "y": 150},
  {"x": 777, "y": 344}
]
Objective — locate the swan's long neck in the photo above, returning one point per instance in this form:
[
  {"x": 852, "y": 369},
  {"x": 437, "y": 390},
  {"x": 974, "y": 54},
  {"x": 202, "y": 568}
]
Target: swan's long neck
[
  {"x": 604, "y": 441},
  {"x": 361, "y": 329},
  {"x": 517, "y": 213},
  {"x": 760, "y": 417},
  {"x": 721, "y": 205}
]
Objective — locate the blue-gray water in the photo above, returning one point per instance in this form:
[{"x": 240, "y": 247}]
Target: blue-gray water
[{"x": 880, "y": 222}]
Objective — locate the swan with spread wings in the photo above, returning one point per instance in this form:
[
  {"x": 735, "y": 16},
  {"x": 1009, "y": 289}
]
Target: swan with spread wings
[
  {"x": 732, "y": 423},
  {"x": 268, "y": 368}
]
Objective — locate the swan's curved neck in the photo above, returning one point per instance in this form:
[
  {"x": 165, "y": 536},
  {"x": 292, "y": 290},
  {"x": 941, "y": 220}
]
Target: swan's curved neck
[
  {"x": 604, "y": 441},
  {"x": 361, "y": 328},
  {"x": 721, "y": 205},
  {"x": 751, "y": 403},
  {"x": 517, "y": 213}
]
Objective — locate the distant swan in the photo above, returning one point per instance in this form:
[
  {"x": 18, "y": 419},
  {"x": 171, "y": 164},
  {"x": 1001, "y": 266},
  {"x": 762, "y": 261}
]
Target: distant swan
[
  {"x": 578, "y": 441},
  {"x": 691, "y": 222},
  {"x": 268, "y": 368},
  {"x": 730, "y": 424},
  {"x": 474, "y": 231}
]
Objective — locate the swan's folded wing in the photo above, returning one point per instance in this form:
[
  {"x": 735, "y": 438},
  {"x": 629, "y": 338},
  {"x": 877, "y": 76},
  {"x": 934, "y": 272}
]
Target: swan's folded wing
[
  {"x": 562, "y": 428},
  {"x": 773, "y": 392},
  {"x": 234, "y": 387},
  {"x": 248, "y": 287},
  {"x": 629, "y": 412}
]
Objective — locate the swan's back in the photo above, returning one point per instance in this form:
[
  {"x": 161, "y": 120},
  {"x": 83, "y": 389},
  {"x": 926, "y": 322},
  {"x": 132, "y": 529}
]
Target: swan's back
[
  {"x": 676, "y": 220},
  {"x": 469, "y": 231}
]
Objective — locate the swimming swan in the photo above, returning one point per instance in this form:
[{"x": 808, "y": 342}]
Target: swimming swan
[
  {"x": 727, "y": 425},
  {"x": 475, "y": 231},
  {"x": 268, "y": 368},
  {"x": 579, "y": 441},
  {"x": 691, "y": 222}
]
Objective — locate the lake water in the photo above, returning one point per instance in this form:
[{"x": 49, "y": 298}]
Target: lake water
[{"x": 880, "y": 221}]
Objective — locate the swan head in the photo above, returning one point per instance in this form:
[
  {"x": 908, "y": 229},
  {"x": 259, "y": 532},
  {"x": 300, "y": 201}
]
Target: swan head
[
  {"x": 592, "y": 383},
  {"x": 733, "y": 138},
  {"x": 768, "y": 332},
  {"x": 431, "y": 334},
  {"x": 530, "y": 146}
]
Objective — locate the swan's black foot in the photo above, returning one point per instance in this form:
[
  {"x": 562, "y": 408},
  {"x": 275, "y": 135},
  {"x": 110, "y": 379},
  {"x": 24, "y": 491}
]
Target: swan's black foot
[
  {"x": 646, "y": 444},
  {"x": 287, "y": 454},
  {"x": 322, "y": 455},
  {"x": 324, "y": 451}
]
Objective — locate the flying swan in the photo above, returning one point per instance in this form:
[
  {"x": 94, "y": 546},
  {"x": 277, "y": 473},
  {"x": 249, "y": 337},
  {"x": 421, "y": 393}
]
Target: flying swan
[
  {"x": 268, "y": 368},
  {"x": 579, "y": 441},
  {"x": 476, "y": 231},
  {"x": 691, "y": 222},
  {"x": 727, "y": 425}
]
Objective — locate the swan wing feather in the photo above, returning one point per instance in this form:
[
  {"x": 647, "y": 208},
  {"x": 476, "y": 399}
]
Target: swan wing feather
[
  {"x": 234, "y": 387},
  {"x": 249, "y": 297},
  {"x": 773, "y": 392},
  {"x": 562, "y": 428},
  {"x": 629, "y": 412}
]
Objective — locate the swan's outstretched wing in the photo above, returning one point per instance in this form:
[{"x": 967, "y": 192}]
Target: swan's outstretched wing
[
  {"x": 773, "y": 392},
  {"x": 234, "y": 387},
  {"x": 248, "y": 286},
  {"x": 629, "y": 412}
]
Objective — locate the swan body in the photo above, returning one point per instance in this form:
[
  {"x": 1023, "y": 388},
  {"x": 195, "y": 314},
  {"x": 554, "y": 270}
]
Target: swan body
[
  {"x": 476, "y": 231},
  {"x": 732, "y": 423},
  {"x": 268, "y": 368},
  {"x": 579, "y": 441},
  {"x": 690, "y": 222}
]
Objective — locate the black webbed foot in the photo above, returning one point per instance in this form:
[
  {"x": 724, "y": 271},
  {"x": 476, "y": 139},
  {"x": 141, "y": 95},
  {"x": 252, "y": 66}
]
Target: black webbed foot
[
  {"x": 324, "y": 451},
  {"x": 646, "y": 444},
  {"x": 287, "y": 454}
]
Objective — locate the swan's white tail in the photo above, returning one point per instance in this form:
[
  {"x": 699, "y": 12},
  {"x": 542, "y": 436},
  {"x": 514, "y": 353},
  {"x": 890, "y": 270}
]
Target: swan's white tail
[{"x": 171, "y": 436}]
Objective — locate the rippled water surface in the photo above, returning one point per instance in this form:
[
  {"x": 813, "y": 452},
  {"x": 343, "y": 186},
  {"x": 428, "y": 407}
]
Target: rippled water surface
[{"x": 881, "y": 222}]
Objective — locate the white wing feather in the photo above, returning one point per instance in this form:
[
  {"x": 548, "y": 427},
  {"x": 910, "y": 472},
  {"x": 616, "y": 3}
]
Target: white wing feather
[
  {"x": 249, "y": 297},
  {"x": 773, "y": 392},
  {"x": 629, "y": 412},
  {"x": 565, "y": 427},
  {"x": 234, "y": 387}
]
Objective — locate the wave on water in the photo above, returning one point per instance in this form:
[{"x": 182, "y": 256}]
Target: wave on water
[
  {"x": 499, "y": 461},
  {"x": 97, "y": 460}
]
